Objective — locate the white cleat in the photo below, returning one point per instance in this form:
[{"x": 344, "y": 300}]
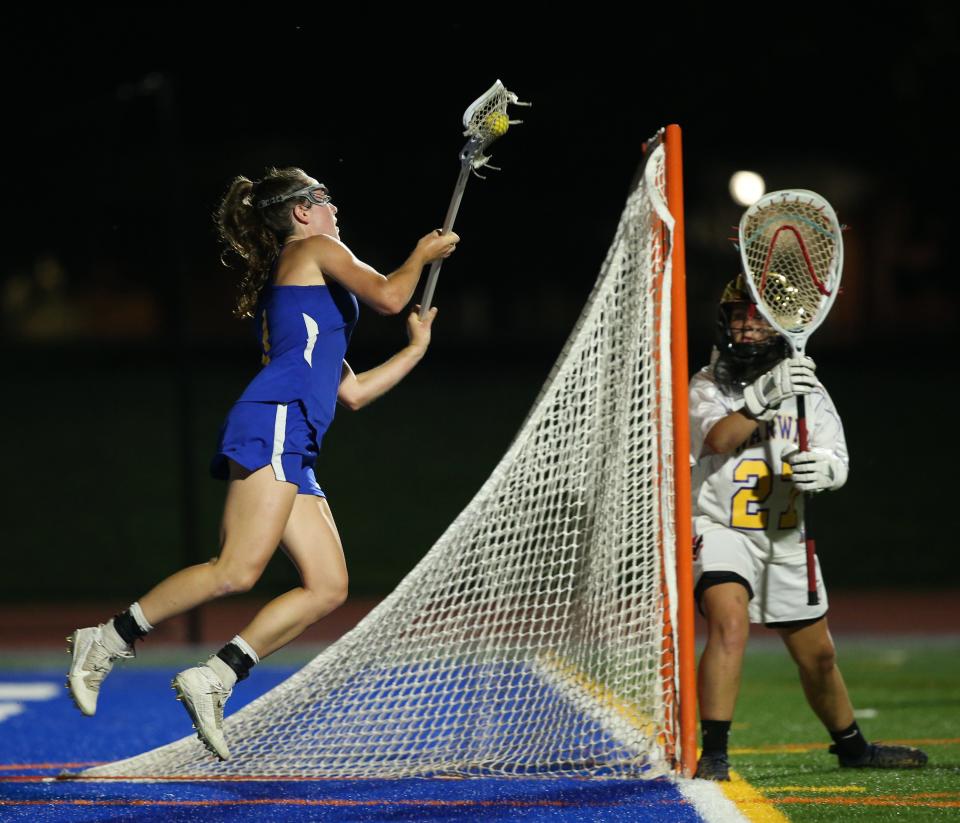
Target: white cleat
[
  {"x": 204, "y": 696},
  {"x": 92, "y": 662}
]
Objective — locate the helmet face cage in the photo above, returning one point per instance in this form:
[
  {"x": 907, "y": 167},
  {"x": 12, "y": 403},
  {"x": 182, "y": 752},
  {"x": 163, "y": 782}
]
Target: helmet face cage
[{"x": 740, "y": 363}]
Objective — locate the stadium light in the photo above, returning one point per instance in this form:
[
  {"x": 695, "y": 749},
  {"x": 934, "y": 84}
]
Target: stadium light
[{"x": 747, "y": 187}]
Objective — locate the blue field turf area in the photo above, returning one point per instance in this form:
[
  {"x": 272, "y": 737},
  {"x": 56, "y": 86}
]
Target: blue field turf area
[{"x": 43, "y": 735}]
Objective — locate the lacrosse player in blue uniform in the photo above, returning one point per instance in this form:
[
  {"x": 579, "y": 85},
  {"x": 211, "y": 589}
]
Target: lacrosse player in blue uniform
[
  {"x": 749, "y": 481},
  {"x": 300, "y": 285}
]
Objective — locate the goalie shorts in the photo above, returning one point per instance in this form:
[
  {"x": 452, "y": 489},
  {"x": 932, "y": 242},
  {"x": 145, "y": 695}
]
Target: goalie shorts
[
  {"x": 778, "y": 590},
  {"x": 278, "y": 435}
]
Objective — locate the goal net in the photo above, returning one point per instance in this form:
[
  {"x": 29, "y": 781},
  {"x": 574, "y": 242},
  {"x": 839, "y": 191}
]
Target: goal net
[{"x": 536, "y": 638}]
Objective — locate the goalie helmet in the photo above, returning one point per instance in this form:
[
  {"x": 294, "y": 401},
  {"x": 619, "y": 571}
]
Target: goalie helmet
[{"x": 742, "y": 361}]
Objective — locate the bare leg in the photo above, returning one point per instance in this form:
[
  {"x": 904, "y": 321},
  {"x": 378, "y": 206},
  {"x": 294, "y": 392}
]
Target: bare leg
[
  {"x": 254, "y": 516},
  {"x": 813, "y": 651},
  {"x": 718, "y": 676},
  {"x": 312, "y": 542}
]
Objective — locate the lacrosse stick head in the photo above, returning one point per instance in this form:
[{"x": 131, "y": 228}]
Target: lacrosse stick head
[
  {"x": 485, "y": 120},
  {"x": 792, "y": 254}
]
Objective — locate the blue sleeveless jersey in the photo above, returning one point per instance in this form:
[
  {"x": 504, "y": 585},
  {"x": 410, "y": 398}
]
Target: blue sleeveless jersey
[{"x": 304, "y": 332}]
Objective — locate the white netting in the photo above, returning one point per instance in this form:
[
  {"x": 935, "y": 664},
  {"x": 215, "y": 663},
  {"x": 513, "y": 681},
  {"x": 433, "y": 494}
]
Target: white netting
[{"x": 531, "y": 639}]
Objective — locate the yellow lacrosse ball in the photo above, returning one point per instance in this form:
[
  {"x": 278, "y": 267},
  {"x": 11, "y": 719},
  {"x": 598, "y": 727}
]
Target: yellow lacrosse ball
[{"x": 496, "y": 123}]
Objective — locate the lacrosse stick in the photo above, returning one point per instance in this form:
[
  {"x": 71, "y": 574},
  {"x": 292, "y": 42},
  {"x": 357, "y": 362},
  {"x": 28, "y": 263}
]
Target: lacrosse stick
[
  {"x": 484, "y": 121},
  {"x": 792, "y": 254}
]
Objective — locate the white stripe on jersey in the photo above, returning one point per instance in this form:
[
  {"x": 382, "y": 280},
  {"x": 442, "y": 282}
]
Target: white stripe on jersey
[
  {"x": 312, "y": 331},
  {"x": 279, "y": 437}
]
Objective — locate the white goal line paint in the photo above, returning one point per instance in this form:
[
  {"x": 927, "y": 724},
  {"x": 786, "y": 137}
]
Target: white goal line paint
[
  {"x": 8, "y": 710},
  {"x": 710, "y": 802},
  {"x": 12, "y": 695},
  {"x": 30, "y": 691}
]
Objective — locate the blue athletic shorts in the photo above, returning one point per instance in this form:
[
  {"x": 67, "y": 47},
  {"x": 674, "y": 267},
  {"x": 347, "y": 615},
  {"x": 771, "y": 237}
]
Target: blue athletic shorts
[{"x": 269, "y": 434}]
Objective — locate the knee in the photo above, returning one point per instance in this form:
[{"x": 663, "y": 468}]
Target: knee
[
  {"x": 726, "y": 608},
  {"x": 339, "y": 594},
  {"x": 324, "y": 599},
  {"x": 336, "y": 592},
  {"x": 819, "y": 661},
  {"x": 730, "y": 632},
  {"x": 233, "y": 578}
]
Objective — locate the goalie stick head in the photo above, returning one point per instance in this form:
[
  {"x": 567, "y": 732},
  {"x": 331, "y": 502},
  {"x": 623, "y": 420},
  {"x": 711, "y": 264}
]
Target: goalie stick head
[
  {"x": 746, "y": 344},
  {"x": 791, "y": 250}
]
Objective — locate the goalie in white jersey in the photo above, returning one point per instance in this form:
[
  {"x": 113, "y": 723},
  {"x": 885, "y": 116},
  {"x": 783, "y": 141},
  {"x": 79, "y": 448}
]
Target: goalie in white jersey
[{"x": 749, "y": 480}]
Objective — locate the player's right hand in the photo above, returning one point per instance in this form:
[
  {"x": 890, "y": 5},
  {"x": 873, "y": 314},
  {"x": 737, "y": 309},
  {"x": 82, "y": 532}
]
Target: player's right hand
[
  {"x": 435, "y": 246},
  {"x": 418, "y": 331},
  {"x": 790, "y": 377}
]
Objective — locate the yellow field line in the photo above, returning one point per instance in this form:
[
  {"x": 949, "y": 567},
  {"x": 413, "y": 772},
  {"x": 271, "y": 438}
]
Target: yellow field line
[
  {"x": 605, "y": 696},
  {"x": 751, "y": 802},
  {"x": 761, "y": 805},
  {"x": 814, "y": 789},
  {"x": 894, "y": 801},
  {"x": 909, "y": 796}
]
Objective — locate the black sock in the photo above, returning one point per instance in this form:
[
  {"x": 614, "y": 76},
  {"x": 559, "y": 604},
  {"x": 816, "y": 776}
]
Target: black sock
[
  {"x": 850, "y": 741},
  {"x": 128, "y": 628},
  {"x": 714, "y": 735},
  {"x": 236, "y": 659}
]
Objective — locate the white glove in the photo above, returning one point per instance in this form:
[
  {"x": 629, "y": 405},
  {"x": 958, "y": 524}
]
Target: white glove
[
  {"x": 815, "y": 471},
  {"x": 788, "y": 378}
]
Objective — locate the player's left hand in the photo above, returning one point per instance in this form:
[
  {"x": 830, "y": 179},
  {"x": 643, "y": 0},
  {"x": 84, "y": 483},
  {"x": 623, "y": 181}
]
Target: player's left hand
[
  {"x": 418, "y": 331},
  {"x": 812, "y": 471}
]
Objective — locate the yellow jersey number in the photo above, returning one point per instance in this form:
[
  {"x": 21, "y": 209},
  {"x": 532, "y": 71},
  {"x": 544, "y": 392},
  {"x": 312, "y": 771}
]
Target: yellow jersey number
[{"x": 747, "y": 511}]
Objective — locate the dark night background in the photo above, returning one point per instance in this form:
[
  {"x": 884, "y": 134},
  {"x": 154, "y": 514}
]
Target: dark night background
[{"x": 123, "y": 130}]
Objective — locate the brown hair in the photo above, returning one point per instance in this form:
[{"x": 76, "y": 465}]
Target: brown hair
[{"x": 252, "y": 236}]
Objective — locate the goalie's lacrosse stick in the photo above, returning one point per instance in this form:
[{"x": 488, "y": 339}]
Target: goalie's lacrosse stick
[
  {"x": 792, "y": 253},
  {"x": 484, "y": 121}
]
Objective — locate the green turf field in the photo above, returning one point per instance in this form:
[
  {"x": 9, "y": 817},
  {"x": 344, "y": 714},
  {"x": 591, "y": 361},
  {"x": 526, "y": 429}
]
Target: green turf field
[{"x": 903, "y": 690}]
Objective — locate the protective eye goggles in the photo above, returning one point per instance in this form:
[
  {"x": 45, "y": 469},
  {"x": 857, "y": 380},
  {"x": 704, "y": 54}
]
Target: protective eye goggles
[{"x": 318, "y": 195}]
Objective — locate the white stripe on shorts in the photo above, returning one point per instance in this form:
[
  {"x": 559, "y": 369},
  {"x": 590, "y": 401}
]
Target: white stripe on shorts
[
  {"x": 312, "y": 331},
  {"x": 279, "y": 436}
]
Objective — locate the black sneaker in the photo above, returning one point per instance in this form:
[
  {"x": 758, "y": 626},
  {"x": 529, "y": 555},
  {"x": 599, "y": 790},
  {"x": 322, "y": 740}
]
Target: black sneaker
[
  {"x": 713, "y": 766},
  {"x": 882, "y": 756}
]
